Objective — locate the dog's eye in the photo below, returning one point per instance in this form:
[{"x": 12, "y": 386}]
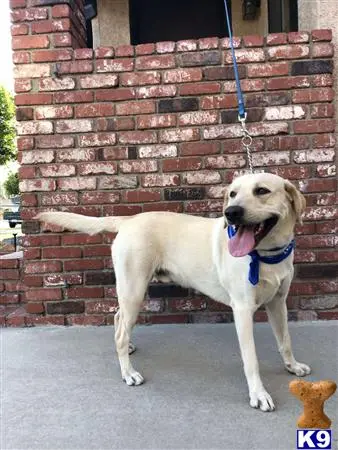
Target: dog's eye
[
  {"x": 232, "y": 194},
  {"x": 261, "y": 191}
]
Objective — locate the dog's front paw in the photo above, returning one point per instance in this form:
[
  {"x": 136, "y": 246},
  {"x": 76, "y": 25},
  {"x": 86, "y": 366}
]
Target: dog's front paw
[
  {"x": 262, "y": 400},
  {"x": 132, "y": 378},
  {"x": 298, "y": 369}
]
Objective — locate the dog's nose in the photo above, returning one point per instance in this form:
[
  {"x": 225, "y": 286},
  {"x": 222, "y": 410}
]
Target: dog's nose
[{"x": 234, "y": 214}]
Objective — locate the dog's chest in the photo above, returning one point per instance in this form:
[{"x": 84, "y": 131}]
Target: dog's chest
[{"x": 271, "y": 282}]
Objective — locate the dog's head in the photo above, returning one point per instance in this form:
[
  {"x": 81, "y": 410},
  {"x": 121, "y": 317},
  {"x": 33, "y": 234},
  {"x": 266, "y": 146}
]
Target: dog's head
[{"x": 263, "y": 208}]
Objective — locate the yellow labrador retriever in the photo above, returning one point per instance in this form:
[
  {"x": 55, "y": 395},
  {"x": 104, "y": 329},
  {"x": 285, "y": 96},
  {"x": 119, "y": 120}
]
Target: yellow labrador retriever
[{"x": 244, "y": 260}]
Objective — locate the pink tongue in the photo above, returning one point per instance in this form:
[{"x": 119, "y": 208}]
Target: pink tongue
[{"x": 243, "y": 242}]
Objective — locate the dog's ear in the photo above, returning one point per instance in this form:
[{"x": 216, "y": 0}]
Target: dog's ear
[
  {"x": 225, "y": 197},
  {"x": 297, "y": 200}
]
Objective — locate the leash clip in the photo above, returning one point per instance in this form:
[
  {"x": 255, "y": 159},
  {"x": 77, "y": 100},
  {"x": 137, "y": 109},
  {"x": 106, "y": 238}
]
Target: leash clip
[{"x": 246, "y": 139}]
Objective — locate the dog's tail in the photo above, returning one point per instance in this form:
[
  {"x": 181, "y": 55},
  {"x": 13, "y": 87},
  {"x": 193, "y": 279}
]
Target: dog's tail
[{"x": 78, "y": 222}]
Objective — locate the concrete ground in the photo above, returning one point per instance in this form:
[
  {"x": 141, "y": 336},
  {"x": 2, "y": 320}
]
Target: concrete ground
[{"x": 61, "y": 388}]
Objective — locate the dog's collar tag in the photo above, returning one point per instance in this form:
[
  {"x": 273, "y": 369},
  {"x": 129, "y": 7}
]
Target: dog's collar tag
[{"x": 256, "y": 258}]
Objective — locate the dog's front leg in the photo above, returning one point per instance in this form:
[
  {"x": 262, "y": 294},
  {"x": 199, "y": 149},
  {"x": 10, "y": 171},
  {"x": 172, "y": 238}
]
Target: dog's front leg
[
  {"x": 278, "y": 318},
  {"x": 259, "y": 397}
]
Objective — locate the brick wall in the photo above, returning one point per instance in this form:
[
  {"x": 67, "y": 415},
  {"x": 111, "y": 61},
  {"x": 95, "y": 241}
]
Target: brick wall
[{"x": 154, "y": 127}]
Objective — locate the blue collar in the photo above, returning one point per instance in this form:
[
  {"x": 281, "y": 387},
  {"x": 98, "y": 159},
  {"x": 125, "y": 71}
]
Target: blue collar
[{"x": 256, "y": 258}]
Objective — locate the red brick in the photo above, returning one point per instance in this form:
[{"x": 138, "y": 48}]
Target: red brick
[
  {"x": 322, "y": 80},
  {"x": 122, "y": 210},
  {"x": 315, "y": 185},
  {"x": 208, "y": 43},
  {"x": 33, "y": 99},
  {"x": 198, "y": 118},
  {"x": 97, "y": 250},
  {"x": 199, "y": 148},
  {"x": 123, "y": 51},
  {"x": 321, "y": 35},
  {"x": 198, "y": 207},
  {"x": 202, "y": 177},
  {"x": 94, "y": 110},
  {"x": 219, "y": 101},
  {"x": 322, "y": 50},
  {"x": 37, "y": 185},
  {"x": 61, "y": 253},
  {"x": 326, "y": 170},
  {"x": 43, "y": 294},
  {"x": 81, "y": 66},
  {"x": 102, "y": 306},
  {"x": 80, "y": 239},
  {"x": 297, "y": 37},
  {"x": 74, "y": 97},
  {"x": 17, "y": 4},
  {"x": 35, "y": 308},
  {"x": 21, "y": 58},
  {"x": 288, "y": 83},
  {"x": 29, "y": 200},
  {"x": 142, "y": 195},
  {"x": 104, "y": 52},
  {"x": 43, "y": 267},
  {"x": 137, "y": 137},
  {"x": 324, "y": 140},
  {"x": 304, "y": 256},
  {"x": 314, "y": 126},
  {"x": 136, "y": 107},
  {"x": 117, "y": 123},
  {"x": 115, "y": 94},
  {"x": 45, "y": 320},
  {"x": 22, "y": 85},
  {"x": 81, "y": 264},
  {"x": 77, "y": 183},
  {"x": 53, "y": 112},
  {"x": 144, "y": 166},
  {"x": 56, "y": 84},
  {"x": 85, "y": 292},
  {"x": 156, "y": 91},
  {"x": 276, "y": 39},
  {"x": 115, "y": 65},
  {"x": 41, "y": 240},
  {"x": 320, "y": 213},
  {"x": 54, "y": 142},
  {"x": 200, "y": 88},
  {"x": 98, "y": 81},
  {"x": 160, "y": 180},
  {"x": 248, "y": 55},
  {"x": 33, "y": 280},
  {"x": 164, "y": 206},
  {"x": 318, "y": 155},
  {"x": 29, "y": 14},
  {"x": 83, "y": 53},
  {"x": 86, "y": 320},
  {"x": 61, "y": 11},
  {"x": 182, "y": 75},
  {"x": 62, "y": 39},
  {"x": 313, "y": 95},
  {"x": 27, "y": 172},
  {"x": 181, "y": 164},
  {"x": 29, "y": 42},
  {"x": 73, "y": 126},
  {"x": 253, "y": 41},
  {"x": 287, "y": 142},
  {"x": 59, "y": 198},
  {"x": 268, "y": 69},
  {"x": 288, "y": 52},
  {"x": 144, "y": 49},
  {"x": 94, "y": 198},
  {"x": 155, "y": 62},
  {"x": 165, "y": 47},
  {"x": 225, "y": 42},
  {"x": 327, "y": 315},
  {"x": 224, "y": 161},
  {"x": 97, "y": 168},
  {"x": 327, "y": 256},
  {"x": 179, "y": 135},
  {"x": 140, "y": 78},
  {"x": 158, "y": 121},
  {"x": 19, "y": 29},
  {"x": 51, "y": 55}
]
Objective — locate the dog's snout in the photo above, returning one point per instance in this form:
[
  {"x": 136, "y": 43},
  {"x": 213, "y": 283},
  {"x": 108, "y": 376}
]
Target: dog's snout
[{"x": 234, "y": 214}]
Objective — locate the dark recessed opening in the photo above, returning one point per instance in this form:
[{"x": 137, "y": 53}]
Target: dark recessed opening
[
  {"x": 155, "y": 20},
  {"x": 283, "y": 16}
]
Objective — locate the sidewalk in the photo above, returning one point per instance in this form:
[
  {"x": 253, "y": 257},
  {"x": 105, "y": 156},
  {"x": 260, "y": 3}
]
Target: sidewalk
[{"x": 61, "y": 388}]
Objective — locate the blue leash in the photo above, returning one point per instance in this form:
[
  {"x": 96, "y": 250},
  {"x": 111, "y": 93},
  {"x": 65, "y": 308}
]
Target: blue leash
[
  {"x": 241, "y": 107},
  {"x": 246, "y": 139}
]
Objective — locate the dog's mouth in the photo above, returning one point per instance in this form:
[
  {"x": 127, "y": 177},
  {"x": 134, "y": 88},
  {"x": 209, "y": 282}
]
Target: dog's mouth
[{"x": 249, "y": 235}]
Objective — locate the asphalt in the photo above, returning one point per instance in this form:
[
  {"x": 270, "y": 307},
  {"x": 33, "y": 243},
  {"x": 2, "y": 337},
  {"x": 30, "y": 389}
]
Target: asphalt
[{"x": 61, "y": 388}]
